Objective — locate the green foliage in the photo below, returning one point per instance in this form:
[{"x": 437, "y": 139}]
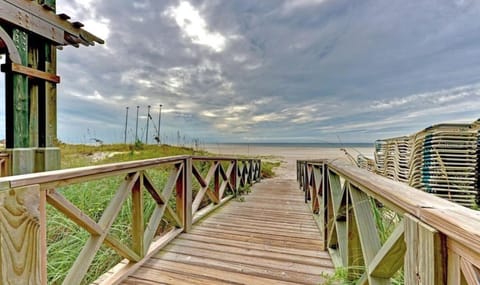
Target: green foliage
[
  {"x": 268, "y": 168},
  {"x": 339, "y": 277}
]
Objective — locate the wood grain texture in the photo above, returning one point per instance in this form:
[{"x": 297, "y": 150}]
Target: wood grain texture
[
  {"x": 271, "y": 238},
  {"x": 20, "y": 236}
]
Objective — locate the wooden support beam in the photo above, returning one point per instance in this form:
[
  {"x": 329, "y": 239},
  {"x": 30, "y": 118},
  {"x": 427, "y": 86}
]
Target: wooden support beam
[
  {"x": 32, "y": 17},
  {"x": 367, "y": 230},
  {"x": 32, "y": 72},
  {"x": 390, "y": 258}
]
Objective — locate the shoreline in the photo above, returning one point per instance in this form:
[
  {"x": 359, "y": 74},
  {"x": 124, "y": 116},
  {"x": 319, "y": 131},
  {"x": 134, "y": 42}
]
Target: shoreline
[{"x": 288, "y": 155}]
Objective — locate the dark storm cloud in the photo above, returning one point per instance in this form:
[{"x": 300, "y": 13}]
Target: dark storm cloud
[{"x": 305, "y": 70}]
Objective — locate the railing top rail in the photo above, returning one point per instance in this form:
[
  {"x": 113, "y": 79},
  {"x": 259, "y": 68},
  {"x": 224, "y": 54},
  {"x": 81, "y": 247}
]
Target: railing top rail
[
  {"x": 57, "y": 176},
  {"x": 455, "y": 221},
  {"x": 313, "y": 161},
  {"x": 223, "y": 158},
  {"x": 68, "y": 176}
]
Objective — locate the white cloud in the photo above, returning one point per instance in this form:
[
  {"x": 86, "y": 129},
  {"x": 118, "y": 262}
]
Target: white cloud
[
  {"x": 292, "y": 5},
  {"x": 195, "y": 27},
  {"x": 429, "y": 98}
]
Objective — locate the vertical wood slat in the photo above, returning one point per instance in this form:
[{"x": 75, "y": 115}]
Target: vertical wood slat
[
  {"x": 20, "y": 246},
  {"x": 233, "y": 177},
  {"x": 324, "y": 206},
  {"x": 43, "y": 236},
  {"x": 424, "y": 258},
  {"x": 138, "y": 227},
  {"x": 216, "y": 183},
  {"x": 184, "y": 195},
  {"x": 454, "y": 269},
  {"x": 33, "y": 94},
  {"x": 50, "y": 100}
]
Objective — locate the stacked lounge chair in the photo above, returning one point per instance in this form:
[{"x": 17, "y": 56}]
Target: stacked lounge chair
[{"x": 442, "y": 159}]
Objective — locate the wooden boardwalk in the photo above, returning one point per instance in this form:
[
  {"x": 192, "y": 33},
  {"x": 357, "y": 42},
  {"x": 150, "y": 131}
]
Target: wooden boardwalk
[{"x": 270, "y": 238}]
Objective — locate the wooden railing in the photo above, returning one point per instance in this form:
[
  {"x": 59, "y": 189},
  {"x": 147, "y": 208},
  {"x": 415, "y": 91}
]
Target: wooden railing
[
  {"x": 196, "y": 184},
  {"x": 434, "y": 241}
]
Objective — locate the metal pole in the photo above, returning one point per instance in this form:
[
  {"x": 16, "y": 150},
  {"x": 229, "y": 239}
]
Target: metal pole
[
  {"x": 148, "y": 120},
  {"x": 136, "y": 127},
  {"x": 159, "y": 121},
  {"x": 126, "y": 122}
]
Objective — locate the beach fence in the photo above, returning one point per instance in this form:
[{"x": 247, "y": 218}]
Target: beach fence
[{"x": 443, "y": 159}]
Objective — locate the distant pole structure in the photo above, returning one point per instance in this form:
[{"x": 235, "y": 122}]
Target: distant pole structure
[
  {"x": 136, "y": 127},
  {"x": 148, "y": 120},
  {"x": 126, "y": 124},
  {"x": 159, "y": 121}
]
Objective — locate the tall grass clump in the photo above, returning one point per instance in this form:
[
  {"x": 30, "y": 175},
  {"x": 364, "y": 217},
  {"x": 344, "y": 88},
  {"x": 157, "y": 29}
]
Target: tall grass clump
[{"x": 268, "y": 168}]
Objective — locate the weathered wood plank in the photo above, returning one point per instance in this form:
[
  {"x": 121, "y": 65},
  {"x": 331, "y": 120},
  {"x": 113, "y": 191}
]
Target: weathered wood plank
[
  {"x": 210, "y": 272},
  {"x": 35, "y": 73},
  {"x": 252, "y": 244},
  {"x": 390, "y": 258},
  {"x": 250, "y": 250},
  {"x": 424, "y": 257},
  {"x": 243, "y": 242},
  {"x": 20, "y": 245}
]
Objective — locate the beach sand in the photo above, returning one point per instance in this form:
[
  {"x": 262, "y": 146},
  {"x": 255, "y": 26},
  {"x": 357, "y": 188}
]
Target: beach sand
[{"x": 288, "y": 155}]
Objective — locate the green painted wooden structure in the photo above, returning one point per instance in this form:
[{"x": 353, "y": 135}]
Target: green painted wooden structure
[{"x": 30, "y": 33}]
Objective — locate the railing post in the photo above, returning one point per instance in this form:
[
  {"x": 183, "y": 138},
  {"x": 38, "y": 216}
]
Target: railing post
[
  {"x": 306, "y": 183},
  {"x": 138, "y": 227},
  {"x": 424, "y": 258},
  {"x": 21, "y": 247},
  {"x": 233, "y": 177},
  {"x": 187, "y": 195},
  {"x": 216, "y": 181},
  {"x": 324, "y": 208}
]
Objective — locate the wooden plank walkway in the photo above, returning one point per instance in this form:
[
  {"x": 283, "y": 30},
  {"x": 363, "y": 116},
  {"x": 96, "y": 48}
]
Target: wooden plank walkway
[{"x": 270, "y": 238}]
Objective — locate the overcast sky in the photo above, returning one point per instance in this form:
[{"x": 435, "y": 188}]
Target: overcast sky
[{"x": 270, "y": 71}]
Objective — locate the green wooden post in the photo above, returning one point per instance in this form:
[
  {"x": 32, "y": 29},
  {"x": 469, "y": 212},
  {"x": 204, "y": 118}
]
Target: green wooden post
[
  {"x": 48, "y": 156},
  {"x": 17, "y": 110},
  {"x": 17, "y": 97}
]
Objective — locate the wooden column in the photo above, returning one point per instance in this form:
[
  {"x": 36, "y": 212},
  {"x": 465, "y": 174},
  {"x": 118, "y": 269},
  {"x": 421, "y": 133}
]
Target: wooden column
[
  {"x": 16, "y": 96},
  {"x": 48, "y": 156}
]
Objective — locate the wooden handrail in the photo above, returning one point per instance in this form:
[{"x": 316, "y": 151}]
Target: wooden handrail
[
  {"x": 24, "y": 198},
  {"x": 436, "y": 242}
]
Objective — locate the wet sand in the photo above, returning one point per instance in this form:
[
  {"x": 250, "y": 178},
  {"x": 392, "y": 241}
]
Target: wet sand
[{"x": 288, "y": 155}]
